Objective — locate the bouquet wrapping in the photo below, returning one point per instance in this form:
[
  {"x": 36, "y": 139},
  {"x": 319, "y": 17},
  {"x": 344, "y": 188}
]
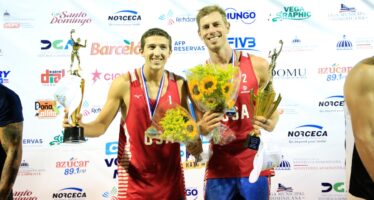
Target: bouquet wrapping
[
  {"x": 215, "y": 88},
  {"x": 172, "y": 122}
]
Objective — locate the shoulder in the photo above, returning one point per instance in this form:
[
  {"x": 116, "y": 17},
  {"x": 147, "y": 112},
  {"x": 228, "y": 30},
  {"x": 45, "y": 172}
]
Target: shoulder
[
  {"x": 121, "y": 84},
  {"x": 361, "y": 78}
]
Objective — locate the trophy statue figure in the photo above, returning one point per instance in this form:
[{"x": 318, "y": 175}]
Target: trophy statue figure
[
  {"x": 69, "y": 94},
  {"x": 264, "y": 103},
  {"x": 75, "y": 52}
]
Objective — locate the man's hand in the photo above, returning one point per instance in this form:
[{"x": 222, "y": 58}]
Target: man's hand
[
  {"x": 209, "y": 121},
  {"x": 65, "y": 122},
  {"x": 195, "y": 148}
]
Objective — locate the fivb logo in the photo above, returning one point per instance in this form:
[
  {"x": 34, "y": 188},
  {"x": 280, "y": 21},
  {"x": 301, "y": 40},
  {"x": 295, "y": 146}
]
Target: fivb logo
[
  {"x": 242, "y": 43},
  {"x": 337, "y": 187},
  {"x": 247, "y": 17}
]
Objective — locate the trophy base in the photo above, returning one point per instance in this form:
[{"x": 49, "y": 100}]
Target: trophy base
[{"x": 74, "y": 135}]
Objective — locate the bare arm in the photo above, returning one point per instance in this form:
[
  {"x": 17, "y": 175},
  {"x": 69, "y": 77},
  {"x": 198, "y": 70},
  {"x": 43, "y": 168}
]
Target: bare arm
[
  {"x": 11, "y": 140},
  {"x": 118, "y": 91},
  {"x": 359, "y": 97},
  {"x": 261, "y": 68}
]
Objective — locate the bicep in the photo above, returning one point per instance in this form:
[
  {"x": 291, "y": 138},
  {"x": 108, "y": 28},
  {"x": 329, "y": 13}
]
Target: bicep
[{"x": 11, "y": 135}]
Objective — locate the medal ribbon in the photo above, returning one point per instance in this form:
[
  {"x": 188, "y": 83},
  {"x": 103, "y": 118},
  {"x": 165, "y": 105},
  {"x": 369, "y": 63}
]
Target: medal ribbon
[{"x": 151, "y": 109}]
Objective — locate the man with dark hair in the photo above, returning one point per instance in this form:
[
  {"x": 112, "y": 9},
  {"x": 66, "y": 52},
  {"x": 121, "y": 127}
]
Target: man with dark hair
[
  {"x": 11, "y": 127},
  {"x": 230, "y": 165},
  {"x": 147, "y": 168},
  {"x": 359, "y": 99}
]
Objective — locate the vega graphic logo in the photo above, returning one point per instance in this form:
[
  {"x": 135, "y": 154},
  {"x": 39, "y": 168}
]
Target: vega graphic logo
[
  {"x": 4, "y": 77},
  {"x": 125, "y": 17},
  {"x": 242, "y": 43},
  {"x": 111, "y": 148},
  {"x": 70, "y": 193},
  {"x": 307, "y": 134},
  {"x": 333, "y": 187},
  {"x": 26, "y": 194},
  {"x": 182, "y": 47},
  {"x": 73, "y": 166},
  {"x": 290, "y": 73},
  {"x": 67, "y": 17},
  {"x": 347, "y": 13},
  {"x": 46, "y": 109},
  {"x": 96, "y": 75},
  {"x": 292, "y": 13},
  {"x": 344, "y": 44},
  {"x": 333, "y": 103},
  {"x": 128, "y": 48},
  {"x": 51, "y": 77},
  {"x": 334, "y": 73},
  {"x": 57, "y": 140},
  {"x": 246, "y": 17}
]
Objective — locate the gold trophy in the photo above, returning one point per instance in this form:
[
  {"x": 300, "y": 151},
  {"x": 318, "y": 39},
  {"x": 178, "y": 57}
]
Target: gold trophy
[
  {"x": 265, "y": 102},
  {"x": 70, "y": 92}
]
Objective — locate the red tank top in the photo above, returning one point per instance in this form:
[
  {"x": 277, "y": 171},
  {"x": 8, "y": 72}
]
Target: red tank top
[
  {"x": 147, "y": 168},
  {"x": 235, "y": 160}
]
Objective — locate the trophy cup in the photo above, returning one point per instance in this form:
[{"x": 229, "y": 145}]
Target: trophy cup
[
  {"x": 264, "y": 103},
  {"x": 69, "y": 94}
]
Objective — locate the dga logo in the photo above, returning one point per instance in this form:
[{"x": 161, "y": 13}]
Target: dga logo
[
  {"x": 335, "y": 72},
  {"x": 290, "y": 73},
  {"x": 283, "y": 165},
  {"x": 50, "y": 48},
  {"x": 347, "y": 13},
  {"x": 344, "y": 44},
  {"x": 26, "y": 194},
  {"x": 73, "y": 166},
  {"x": 332, "y": 104},
  {"x": 292, "y": 13},
  {"x": 192, "y": 192},
  {"x": 70, "y": 193},
  {"x": 66, "y": 17},
  {"x": 112, "y": 194},
  {"x": 183, "y": 47},
  {"x": 282, "y": 188},
  {"x": 4, "y": 76},
  {"x": 246, "y": 17},
  {"x": 46, "y": 109},
  {"x": 125, "y": 17},
  {"x": 168, "y": 17},
  {"x": 242, "y": 43},
  {"x": 96, "y": 75},
  {"x": 129, "y": 48},
  {"x": 111, "y": 148},
  {"x": 51, "y": 77},
  {"x": 308, "y": 133},
  {"x": 337, "y": 187}
]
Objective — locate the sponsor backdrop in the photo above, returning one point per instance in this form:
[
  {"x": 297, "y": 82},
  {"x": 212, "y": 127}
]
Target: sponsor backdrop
[{"x": 322, "y": 42}]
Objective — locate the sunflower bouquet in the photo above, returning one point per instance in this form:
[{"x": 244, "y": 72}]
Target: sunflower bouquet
[
  {"x": 172, "y": 122},
  {"x": 215, "y": 88}
]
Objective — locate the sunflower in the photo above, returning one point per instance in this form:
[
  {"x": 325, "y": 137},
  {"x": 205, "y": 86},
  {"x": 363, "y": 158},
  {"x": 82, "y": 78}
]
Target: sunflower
[
  {"x": 208, "y": 85},
  {"x": 195, "y": 90},
  {"x": 191, "y": 129}
]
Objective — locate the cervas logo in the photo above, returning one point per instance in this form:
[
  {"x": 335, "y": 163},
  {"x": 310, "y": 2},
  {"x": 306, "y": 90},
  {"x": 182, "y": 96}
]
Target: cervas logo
[
  {"x": 182, "y": 46},
  {"x": 337, "y": 187}
]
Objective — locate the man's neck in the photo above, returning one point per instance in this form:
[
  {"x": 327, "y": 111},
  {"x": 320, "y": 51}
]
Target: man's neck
[
  {"x": 222, "y": 56},
  {"x": 153, "y": 76}
]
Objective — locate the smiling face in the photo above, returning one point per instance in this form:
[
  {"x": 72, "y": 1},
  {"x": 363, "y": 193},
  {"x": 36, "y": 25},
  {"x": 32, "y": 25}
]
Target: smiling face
[
  {"x": 213, "y": 31},
  {"x": 156, "y": 52}
]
